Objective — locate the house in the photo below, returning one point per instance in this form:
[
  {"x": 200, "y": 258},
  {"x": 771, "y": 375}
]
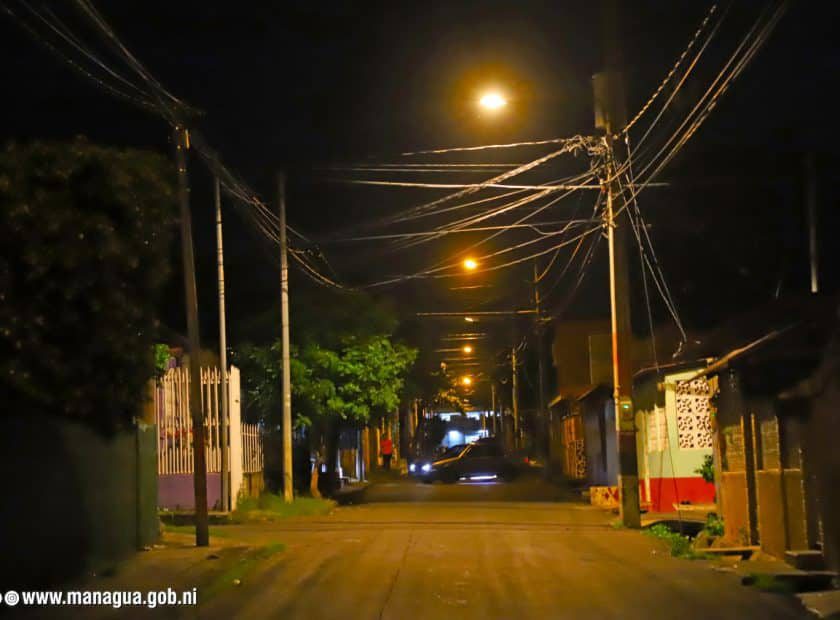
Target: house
[
  {"x": 582, "y": 429},
  {"x": 775, "y": 404},
  {"x": 673, "y": 435}
]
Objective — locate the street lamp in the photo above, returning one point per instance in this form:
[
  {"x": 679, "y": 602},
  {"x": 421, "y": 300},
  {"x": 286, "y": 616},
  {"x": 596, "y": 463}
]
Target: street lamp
[
  {"x": 492, "y": 101},
  {"x": 467, "y": 348},
  {"x": 466, "y": 380},
  {"x": 470, "y": 264},
  {"x": 469, "y": 319}
]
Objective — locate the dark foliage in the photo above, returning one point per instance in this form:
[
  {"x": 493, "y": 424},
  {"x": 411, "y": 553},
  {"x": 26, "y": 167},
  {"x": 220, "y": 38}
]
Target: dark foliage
[{"x": 85, "y": 232}]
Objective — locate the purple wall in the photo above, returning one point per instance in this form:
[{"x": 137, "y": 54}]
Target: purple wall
[{"x": 175, "y": 491}]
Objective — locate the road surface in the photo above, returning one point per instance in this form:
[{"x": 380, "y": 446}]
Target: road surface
[{"x": 437, "y": 552}]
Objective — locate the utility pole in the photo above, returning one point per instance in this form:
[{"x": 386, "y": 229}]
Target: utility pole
[
  {"x": 610, "y": 115},
  {"x": 811, "y": 205},
  {"x": 220, "y": 268},
  {"x": 493, "y": 405},
  {"x": 202, "y": 532},
  {"x": 288, "y": 494},
  {"x": 514, "y": 396},
  {"x": 542, "y": 415}
]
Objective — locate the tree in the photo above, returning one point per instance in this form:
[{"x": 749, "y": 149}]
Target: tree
[
  {"x": 358, "y": 382},
  {"x": 86, "y": 233},
  {"x": 346, "y": 369}
]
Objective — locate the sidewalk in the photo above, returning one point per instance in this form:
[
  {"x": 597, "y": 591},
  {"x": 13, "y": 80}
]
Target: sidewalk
[{"x": 175, "y": 562}]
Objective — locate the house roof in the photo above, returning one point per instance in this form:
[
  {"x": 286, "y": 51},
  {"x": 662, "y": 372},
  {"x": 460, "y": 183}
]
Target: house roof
[
  {"x": 577, "y": 392},
  {"x": 670, "y": 368}
]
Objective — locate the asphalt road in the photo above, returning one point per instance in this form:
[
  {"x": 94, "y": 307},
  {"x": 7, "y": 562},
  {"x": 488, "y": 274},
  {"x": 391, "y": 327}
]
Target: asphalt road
[
  {"x": 528, "y": 487},
  {"x": 415, "y": 552}
]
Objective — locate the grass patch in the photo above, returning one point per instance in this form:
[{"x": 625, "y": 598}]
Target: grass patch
[
  {"x": 680, "y": 545},
  {"x": 190, "y": 529},
  {"x": 240, "y": 570},
  {"x": 769, "y": 583},
  {"x": 269, "y": 507}
]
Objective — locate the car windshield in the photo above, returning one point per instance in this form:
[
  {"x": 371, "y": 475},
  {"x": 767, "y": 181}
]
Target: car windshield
[{"x": 453, "y": 452}]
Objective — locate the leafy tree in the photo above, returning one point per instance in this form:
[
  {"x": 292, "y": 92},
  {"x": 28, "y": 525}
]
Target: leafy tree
[
  {"x": 86, "y": 233},
  {"x": 356, "y": 383},
  {"x": 345, "y": 368}
]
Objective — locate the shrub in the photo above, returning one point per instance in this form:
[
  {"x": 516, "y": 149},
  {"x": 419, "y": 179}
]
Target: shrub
[
  {"x": 714, "y": 525},
  {"x": 707, "y": 469},
  {"x": 85, "y": 232}
]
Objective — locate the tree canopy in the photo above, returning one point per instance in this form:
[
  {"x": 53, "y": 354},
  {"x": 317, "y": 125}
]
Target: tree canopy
[
  {"x": 86, "y": 234},
  {"x": 344, "y": 365}
]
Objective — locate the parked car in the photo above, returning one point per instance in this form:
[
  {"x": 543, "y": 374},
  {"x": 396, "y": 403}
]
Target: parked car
[
  {"x": 477, "y": 461},
  {"x": 423, "y": 464}
]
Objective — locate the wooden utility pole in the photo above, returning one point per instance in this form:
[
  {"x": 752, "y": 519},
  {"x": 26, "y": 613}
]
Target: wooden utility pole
[
  {"x": 811, "y": 205},
  {"x": 610, "y": 116},
  {"x": 493, "y": 405},
  {"x": 514, "y": 395},
  {"x": 202, "y": 532},
  {"x": 225, "y": 414},
  {"x": 288, "y": 494},
  {"x": 542, "y": 414}
]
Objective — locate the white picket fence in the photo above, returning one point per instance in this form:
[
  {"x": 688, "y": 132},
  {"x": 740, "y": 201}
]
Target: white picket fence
[{"x": 172, "y": 412}]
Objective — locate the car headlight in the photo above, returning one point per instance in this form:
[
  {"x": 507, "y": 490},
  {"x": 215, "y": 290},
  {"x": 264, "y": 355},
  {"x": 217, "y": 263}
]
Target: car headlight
[
  {"x": 427, "y": 467},
  {"x": 412, "y": 467}
]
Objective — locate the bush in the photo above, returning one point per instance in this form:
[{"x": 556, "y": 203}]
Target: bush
[
  {"x": 714, "y": 525},
  {"x": 707, "y": 469},
  {"x": 680, "y": 545},
  {"x": 86, "y": 233}
]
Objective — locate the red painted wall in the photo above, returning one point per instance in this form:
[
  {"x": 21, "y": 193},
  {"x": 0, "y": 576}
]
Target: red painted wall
[{"x": 665, "y": 492}]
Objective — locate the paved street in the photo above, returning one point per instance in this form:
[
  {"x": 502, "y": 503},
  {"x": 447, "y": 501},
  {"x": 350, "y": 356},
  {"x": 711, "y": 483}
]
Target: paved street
[
  {"x": 480, "y": 559},
  {"x": 413, "y": 551}
]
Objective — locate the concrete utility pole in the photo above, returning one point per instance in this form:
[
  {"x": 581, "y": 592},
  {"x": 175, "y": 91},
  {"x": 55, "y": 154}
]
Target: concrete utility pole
[
  {"x": 542, "y": 414},
  {"x": 202, "y": 532},
  {"x": 610, "y": 116},
  {"x": 225, "y": 414},
  {"x": 288, "y": 494}
]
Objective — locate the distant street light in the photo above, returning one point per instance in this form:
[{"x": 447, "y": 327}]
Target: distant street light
[
  {"x": 467, "y": 348},
  {"x": 492, "y": 101},
  {"x": 470, "y": 264},
  {"x": 466, "y": 380},
  {"x": 469, "y": 319}
]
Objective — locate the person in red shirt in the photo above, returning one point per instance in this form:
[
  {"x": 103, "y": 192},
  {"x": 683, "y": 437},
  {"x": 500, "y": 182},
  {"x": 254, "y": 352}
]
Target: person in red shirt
[{"x": 386, "y": 449}]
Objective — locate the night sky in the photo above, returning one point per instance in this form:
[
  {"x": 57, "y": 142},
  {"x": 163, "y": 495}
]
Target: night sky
[{"x": 302, "y": 85}]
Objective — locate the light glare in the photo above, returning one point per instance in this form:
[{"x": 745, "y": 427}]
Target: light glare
[{"x": 493, "y": 101}]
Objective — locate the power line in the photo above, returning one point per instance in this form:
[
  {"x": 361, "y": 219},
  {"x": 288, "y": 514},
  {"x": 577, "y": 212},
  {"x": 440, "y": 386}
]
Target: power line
[
  {"x": 673, "y": 70},
  {"x": 463, "y": 186},
  {"x": 485, "y": 147}
]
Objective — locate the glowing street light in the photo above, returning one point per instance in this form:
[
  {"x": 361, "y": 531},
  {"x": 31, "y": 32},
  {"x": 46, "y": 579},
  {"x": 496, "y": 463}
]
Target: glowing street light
[
  {"x": 469, "y": 319},
  {"x": 467, "y": 348},
  {"x": 470, "y": 264},
  {"x": 492, "y": 101},
  {"x": 466, "y": 380}
]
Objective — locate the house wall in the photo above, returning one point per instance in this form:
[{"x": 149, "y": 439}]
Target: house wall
[
  {"x": 82, "y": 501},
  {"x": 823, "y": 458},
  {"x": 600, "y": 442},
  {"x": 672, "y": 442},
  {"x": 763, "y": 484}
]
